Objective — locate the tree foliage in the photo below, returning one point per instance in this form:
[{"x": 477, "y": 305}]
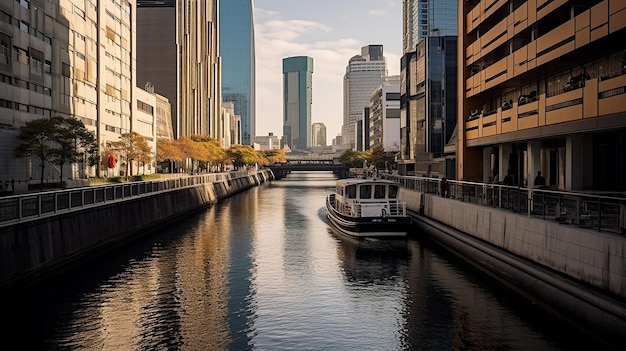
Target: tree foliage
[
  {"x": 131, "y": 146},
  {"x": 354, "y": 159},
  {"x": 56, "y": 140},
  {"x": 269, "y": 157},
  {"x": 243, "y": 155},
  {"x": 381, "y": 159}
]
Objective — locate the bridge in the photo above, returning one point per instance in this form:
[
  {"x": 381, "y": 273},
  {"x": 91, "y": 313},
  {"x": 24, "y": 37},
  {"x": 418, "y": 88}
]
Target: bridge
[{"x": 281, "y": 170}]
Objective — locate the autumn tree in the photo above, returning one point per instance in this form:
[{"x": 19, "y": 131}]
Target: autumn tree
[
  {"x": 131, "y": 146},
  {"x": 215, "y": 153},
  {"x": 169, "y": 150},
  {"x": 243, "y": 155},
  {"x": 272, "y": 156}
]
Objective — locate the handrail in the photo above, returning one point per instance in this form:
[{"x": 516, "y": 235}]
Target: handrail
[
  {"x": 34, "y": 205},
  {"x": 585, "y": 210}
]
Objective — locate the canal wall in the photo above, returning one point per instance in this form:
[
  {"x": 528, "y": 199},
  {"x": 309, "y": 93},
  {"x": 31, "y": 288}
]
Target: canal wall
[
  {"x": 578, "y": 274},
  {"x": 33, "y": 250}
]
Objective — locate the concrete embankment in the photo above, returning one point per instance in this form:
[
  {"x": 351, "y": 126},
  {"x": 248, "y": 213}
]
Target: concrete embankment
[
  {"x": 576, "y": 274},
  {"x": 33, "y": 250}
]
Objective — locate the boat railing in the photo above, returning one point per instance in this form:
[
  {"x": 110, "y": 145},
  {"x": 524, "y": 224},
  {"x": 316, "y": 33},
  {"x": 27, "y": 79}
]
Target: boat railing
[
  {"x": 583, "y": 209},
  {"x": 394, "y": 209}
]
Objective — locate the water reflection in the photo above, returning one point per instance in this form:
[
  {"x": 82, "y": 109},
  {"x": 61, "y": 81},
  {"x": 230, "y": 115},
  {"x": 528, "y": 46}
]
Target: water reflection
[{"x": 263, "y": 270}]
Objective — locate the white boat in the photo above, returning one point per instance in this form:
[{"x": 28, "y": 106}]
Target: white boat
[{"x": 368, "y": 208}]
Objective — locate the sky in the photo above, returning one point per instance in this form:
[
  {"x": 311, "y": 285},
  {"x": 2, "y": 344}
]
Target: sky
[{"x": 329, "y": 31}]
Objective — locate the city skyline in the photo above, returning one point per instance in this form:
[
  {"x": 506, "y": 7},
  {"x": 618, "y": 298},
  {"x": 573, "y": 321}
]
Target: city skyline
[{"x": 283, "y": 29}]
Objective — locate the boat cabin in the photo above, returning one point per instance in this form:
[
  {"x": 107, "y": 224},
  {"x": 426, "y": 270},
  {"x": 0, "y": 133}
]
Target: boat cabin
[{"x": 368, "y": 198}]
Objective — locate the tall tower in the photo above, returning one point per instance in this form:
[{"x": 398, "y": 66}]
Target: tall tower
[
  {"x": 179, "y": 53},
  {"x": 238, "y": 61},
  {"x": 364, "y": 73},
  {"x": 318, "y": 134},
  {"x": 426, "y": 18},
  {"x": 297, "y": 93}
]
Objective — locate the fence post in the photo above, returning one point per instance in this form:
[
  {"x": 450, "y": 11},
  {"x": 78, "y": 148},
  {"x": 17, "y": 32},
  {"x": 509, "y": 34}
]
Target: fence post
[{"x": 599, "y": 215}]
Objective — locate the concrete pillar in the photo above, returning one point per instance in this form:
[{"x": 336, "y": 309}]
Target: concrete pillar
[
  {"x": 487, "y": 163},
  {"x": 574, "y": 170},
  {"x": 534, "y": 161},
  {"x": 505, "y": 153}
]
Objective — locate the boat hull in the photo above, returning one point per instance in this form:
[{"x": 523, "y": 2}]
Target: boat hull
[{"x": 368, "y": 227}]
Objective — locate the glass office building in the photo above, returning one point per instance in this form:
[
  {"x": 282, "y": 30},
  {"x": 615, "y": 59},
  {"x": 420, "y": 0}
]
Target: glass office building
[
  {"x": 297, "y": 97},
  {"x": 237, "y": 53}
]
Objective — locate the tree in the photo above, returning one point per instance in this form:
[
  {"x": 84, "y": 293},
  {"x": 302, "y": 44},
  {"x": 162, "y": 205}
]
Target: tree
[
  {"x": 270, "y": 157},
  {"x": 131, "y": 146},
  {"x": 243, "y": 155},
  {"x": 215, "y": 154},
  {"x": 354, "y": 159},
  {"x": 192, "y": 150},
  {"x": 74, "y": 142},
  {"x": 381, "y": 159},
  {"x": 35, "y": 139}
]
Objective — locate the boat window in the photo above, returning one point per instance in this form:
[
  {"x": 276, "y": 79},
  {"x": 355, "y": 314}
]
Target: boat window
[
  {"x": 351, "y": 191},
  {"x": 379, "y": 191},
  {"x": 365, "y": 192},
  {"x": 393, "y": 191},
  {"x": 339, "y": 191}
]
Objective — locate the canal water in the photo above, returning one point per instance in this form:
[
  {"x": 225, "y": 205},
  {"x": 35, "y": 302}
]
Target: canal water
[{"x": 263, "y": 270}]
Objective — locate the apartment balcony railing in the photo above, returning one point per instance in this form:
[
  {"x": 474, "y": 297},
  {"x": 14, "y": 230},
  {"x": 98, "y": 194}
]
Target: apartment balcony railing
[{"x": 585, "y": 210}]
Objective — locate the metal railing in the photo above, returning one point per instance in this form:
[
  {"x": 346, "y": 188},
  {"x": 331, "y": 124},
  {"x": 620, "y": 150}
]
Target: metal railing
[
  {"x": 585, "y": 210},
  {"x": 34, "y": 205}
]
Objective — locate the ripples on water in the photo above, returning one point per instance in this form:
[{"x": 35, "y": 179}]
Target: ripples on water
[{"x": 264, "y": 270}]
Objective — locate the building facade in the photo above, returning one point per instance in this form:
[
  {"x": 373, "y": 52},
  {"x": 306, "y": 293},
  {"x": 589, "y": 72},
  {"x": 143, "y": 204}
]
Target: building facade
[
  {"x": 267, "y": 142},
  {"x": 70, "y": 59},
  {"x": 384, "y": 119},
  {"x": 318, "y": 134},
  {"x": 191, "y": 56},
  {"x": 425, "y": 18},
  {"x": 428, "y": 108},
  {"x": 364, "y": 73},
  {"x": 297, "y": 100},
  {"x": 238, "y": 62},
  {"x": 542, "y": 87}
]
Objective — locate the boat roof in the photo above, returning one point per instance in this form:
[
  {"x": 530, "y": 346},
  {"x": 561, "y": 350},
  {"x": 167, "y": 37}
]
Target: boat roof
[{"x": 351, "y": 181}]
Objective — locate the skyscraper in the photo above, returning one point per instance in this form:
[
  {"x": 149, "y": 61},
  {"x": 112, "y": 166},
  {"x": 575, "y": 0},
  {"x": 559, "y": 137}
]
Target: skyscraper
[
  {"x": 297, "y": 93},
  {"x": 364, "y": 73},
  {"x": 177, "y": 44},
  {"x": 425, "y": 18},
  {"x": 318, "y": 134},
  {"x": 238, "y": 60}
]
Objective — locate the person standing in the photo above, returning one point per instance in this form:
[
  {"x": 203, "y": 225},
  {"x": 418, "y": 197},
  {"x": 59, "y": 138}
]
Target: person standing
[{"x": 540, "y": 180}]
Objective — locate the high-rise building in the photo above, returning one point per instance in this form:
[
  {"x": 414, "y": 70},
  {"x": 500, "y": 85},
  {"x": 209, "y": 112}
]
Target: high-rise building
[
  {"x": 297, "y": 94},
  {"x": 384, "y": 116},
  {"x": 237, "y": 54},
  {"x": 542, "y": 89},
  {"x": 425, "y": 18},
  {"x": 70, "y": 59},
  {"x": 318, "y": 134},
  {"x": 177, "y": 45},
  {"x": 364, "y": 73},
  {"x": 428, "y": 110}
]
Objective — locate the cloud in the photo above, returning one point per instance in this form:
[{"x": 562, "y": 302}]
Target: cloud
[
  {"x": 376, "y": 12},
  {"x": 277, "y": 38}
]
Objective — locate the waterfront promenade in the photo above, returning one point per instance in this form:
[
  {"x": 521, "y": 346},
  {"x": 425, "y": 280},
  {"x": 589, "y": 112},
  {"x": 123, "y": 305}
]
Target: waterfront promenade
[{"x": 43, "y": 232}]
